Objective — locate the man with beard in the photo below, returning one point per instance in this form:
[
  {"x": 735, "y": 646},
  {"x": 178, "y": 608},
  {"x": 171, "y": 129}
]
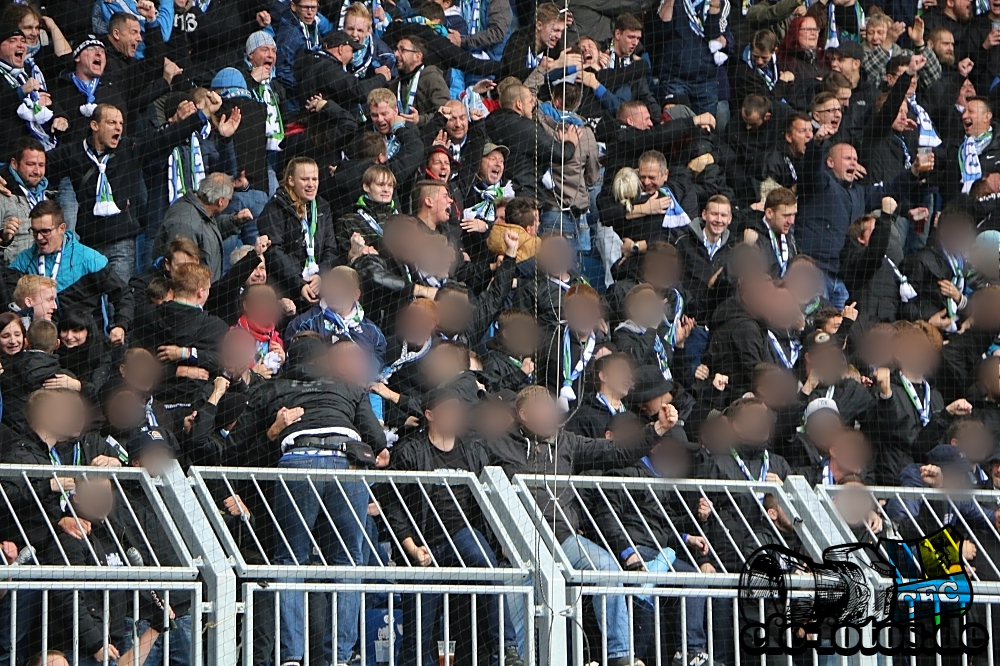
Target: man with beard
[
  {"x": 325, "y": 73},
  {"x": 420, "y": 89},
  {"x": 26, "y": 174}
]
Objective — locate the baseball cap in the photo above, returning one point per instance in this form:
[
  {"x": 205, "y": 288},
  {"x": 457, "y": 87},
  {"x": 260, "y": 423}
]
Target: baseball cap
[
  {"x": 820, "y": 404},
  {"x": 819, "y": 340},
  {"x": 490, "y": 147},
  {"x": 849, "y": 50},
  {"x": 436, "y": 396},
  {"x": 946, "y": 455},
  {"x": 146, "y": 439},
  {"x": 649, "y": 384},
  {"x": 339, "y": 38}
]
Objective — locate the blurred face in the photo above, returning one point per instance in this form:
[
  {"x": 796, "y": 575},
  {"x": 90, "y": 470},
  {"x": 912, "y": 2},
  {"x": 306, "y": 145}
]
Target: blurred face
[
  {"x": 646, "y": 309},
  {"x": 107, "y": 131},
  {"x": 583, "y": 313},
  {"x": 238, "y": 350},
  {"x": 639, "y": 118},
  {"x": 549, "y": 34},
  {"x": 877, "y": 347},
  {"x": 555, "y": 256},
  {"x": 91, "y": 61},
  {"x": 899, "y": 124},
  {"x": 520, "y": 336},
  {"x": 808, "y": 34},
  {"x": 65, "y": 416},
  {"x": 11, "y": 339},
  {"x": 801, "y": 133},
  {"x": 957, "y": 237},
  {"x": 415, "y": 324},
  {"x": 753, "y": 425},
  {"x": 267, "y": 55},
  {"x": 448, "y": 418},
  {"x": 407, "y": 57},
  {"x": 782, "y": 218},
  {"x": 853, "y": 503},
  {"x": 94, "y": 499},
  {"x": 976, "y": 118},
  {"x": 491, "y": 167},
  {"x": 383, "y": 115},
  {"x": 540, "y": 415},
  {"x": 821, "y": 426},
  {"x": 13, "y": 51},
  {"x": 350, "y": 363},
  {"x": 660, "y": 270},
  {"x": 617, "y": 377},
  {"x": 127, "y": 39},
  {"x": 652, "y": 176},
  {"x": 304, "y": 182},
  {"x": 843, "y": 162},
  {"x": 454, "y": 312},
  {"x": 141, "y": 371},
  {"x": 31, "y": 167},
  {"x": 915, "y": 353},
  {"x": 155, "y": 459},
  {"x": 975, "y": 441},
  {"x": 262, "y": 308},
  {"x": 944, "y": 48},
  {"x": 380, "y": 191},
  {"x": 626, "y": 41},
  {"x": 43, "y": 303},
  {"x": 307, "y": 10},
  {"x": 851, "y": 451},
  {"x": 804, "y": 281},
  {"x": 31, "y": 28},
  {"x": 829, "y": 112},
  {"x": 71, "y": 339},
  {"x": 457, "y": 125},
  {"x": 357, "y": 27},
  {"x": 439, "y": 166}
]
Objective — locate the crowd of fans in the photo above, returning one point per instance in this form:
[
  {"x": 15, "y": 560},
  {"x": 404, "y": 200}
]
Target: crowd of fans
[{"x": 697, "y": 240}]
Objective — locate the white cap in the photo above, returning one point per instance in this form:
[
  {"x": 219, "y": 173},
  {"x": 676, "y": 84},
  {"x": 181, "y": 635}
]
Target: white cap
[{"x": 821, "y": 403}]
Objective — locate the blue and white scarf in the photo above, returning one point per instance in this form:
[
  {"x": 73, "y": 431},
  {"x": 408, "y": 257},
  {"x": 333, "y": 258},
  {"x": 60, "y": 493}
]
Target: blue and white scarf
[
  {"x": 34, "y": 195},
  {"x": 968, "y": 158},
  {"x": 697, "y": 15},
  {"x": 30, "y": 110},
  {"x": 486, "y": 209},
  {"x": 104, "y": 198},
  {"x": 928, "y": 135},
  {"x": 89, "y": 90},
  {"x": 674, "y": 216},
  {"x": 769, "y": 72},
  {"x": 362, "y": 58},
  {"x": 561, "y": 117},
  {"x": 833, "y": 35}
]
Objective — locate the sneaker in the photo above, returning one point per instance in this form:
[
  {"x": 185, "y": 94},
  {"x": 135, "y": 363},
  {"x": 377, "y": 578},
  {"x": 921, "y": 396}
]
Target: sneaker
[
  {"x": 511, "y": 657},
  {"x": 291, "y": 663},
  {"x": 694, "y": 659},
  {"x": 625, "y": 661}
]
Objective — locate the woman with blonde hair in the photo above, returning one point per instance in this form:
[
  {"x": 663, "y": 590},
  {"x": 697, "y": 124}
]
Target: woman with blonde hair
[{"x": 299, "y": 225}]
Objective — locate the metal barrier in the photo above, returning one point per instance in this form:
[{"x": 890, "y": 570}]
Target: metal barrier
[
  {"x": 300, "y": 531},
  {"x": 552, "y": 564}
]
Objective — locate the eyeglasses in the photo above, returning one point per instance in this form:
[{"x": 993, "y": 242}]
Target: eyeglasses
[
  {"x": 808, "y": 29},
  {"x": 308, "y": 8},
  {"x": 836, "y": 110},
  {"x": 42, "y": 232},
  {"x": 400, "y": 49}
]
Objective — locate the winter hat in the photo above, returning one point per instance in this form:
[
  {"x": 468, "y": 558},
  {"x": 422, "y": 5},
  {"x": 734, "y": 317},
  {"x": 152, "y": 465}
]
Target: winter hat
[
  {"x": 230, "y": 77},
  {"x": 259, "y": 39}
]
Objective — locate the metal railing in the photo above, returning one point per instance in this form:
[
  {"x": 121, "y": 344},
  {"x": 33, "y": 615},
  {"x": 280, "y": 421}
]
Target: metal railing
[{"x": 552, "y": 592}]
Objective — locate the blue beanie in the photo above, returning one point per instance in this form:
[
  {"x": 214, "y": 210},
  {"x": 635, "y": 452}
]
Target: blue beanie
[{"x": 230, "y": 77}]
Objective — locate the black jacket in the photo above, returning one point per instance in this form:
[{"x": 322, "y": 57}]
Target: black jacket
[
  {"x": 29, "y": 449},
  {"x": 515, "y": 54},
  {"x": 699, "y": 268},
  {"x": 641, "y": 347},
  {"x": 24, "y": 373},
  {"x": 69, "y": 99},
  {"x": 531, "y": 149},
  {"x": 537, "y": 294},
  {"x": 738, "y": 343},
  {"x": 127, "y": 160},
  {"x": 386, "y": 287},
  {"x": 651, "y": 518},
  {"x": 567, "y": 453},
  {"x": 923, "y": 270},
  {"x": 249, "y": 143},
  {"x": 766, "y": 246},
  {"x": 501, "y": 371},
  {"x": 896, "y": 430},
  {"x": 327, "y": 404},
  {"x": 324, "y": 75},
  {"x": 869, "y": 277},
  {"x": 591, "y": 418},
  {"x": 141, "y": 81},
  {"x": 626, "y": 143},
  {"x": 283, "y": 226},
  {"x": 174, "y": 323}
]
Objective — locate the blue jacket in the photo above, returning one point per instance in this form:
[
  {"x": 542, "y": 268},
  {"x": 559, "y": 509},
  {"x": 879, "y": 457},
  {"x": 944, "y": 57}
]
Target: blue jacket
[
  {"x": 901, "y": 510},
  {"x": 291, "y": 44},
  {"x": 103, "y": 11},
  {"x": 84, "y": 277},
  {"x": 369, "y": 336}
]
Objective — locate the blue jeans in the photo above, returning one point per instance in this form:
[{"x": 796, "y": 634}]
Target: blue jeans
[
  {"x": 475, "y": 551},
  {"x": 347, "y": 509},
  {"x": 27, "y": 630},
  {"x": 180, "y": 642},
  {"x": 694, "y": 348},
  {"x": 704, "y": 95},
  {"x": 67, "y": 201},
  {"x": 697, "y": 638},
  {"x": 121, "y": 257},
  {"x": 574, "y": 229},
  {"x": 835, "y": 291},
  {"x": 585, "y": 554}
]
